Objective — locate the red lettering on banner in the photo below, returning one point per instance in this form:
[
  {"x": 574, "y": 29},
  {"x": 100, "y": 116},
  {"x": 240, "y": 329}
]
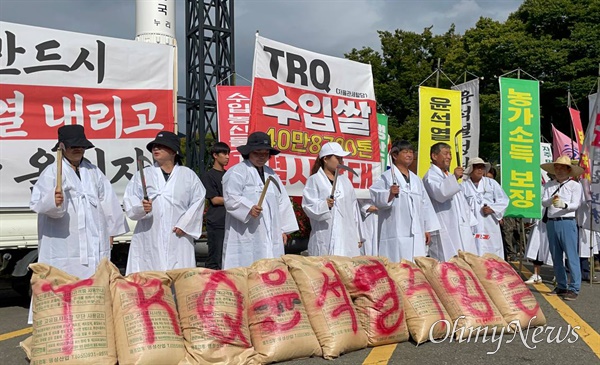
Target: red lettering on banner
[
  {"x": 280, "y": 167},
  {"x": 298, "y": 173},
  {"x": 367, "y": 277},
  {"x": 461, "y": 290},
  {"x": 337, "y": 288},
  {"x": 67, "y": 291},
  {"x": 412, "y": 288},
  {"x": 498, "y": 270},
  {"x": 36, "y": 112},
  {"x": 206, "y": 311},
  {"x": 144, "y": 303}
]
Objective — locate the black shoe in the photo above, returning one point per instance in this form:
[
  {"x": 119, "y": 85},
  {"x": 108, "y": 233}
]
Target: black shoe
[
  {"x": 558, "y": 291},
  {"x": 570, "y": 296}
]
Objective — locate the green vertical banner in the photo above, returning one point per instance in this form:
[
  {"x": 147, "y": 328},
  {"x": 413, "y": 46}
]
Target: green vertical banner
[
  {"x": 520, "y": 146},
  {"x": 382, "y": 132}
]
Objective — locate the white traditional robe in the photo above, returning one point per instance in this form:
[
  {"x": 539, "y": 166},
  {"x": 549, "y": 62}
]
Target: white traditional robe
[
  {"x": 177, "y": 202},
  {"x": 371, "y": 226},
  {"x": 488, "y": 236},
  {"x": 455, "y": 217},
  {"x": 335, "y": 231},
  {"x": 538, "y": 246},
  {"x": 584, "y": 217},
  {"x": 403, "y": 221},
  {"x": 75, "y": 236},
  {"x": 248, "y": 239}
]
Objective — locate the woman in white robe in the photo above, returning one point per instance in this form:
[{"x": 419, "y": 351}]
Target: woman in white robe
[
  {"x": 252, "y": 232},
  {"x": 171, "y": 218},
  {"x": 406, "y": 221},
  {"x": 76, "y": 230},
  {"x": 488, "y": 202},
  {"x": 336, "y": 225}
]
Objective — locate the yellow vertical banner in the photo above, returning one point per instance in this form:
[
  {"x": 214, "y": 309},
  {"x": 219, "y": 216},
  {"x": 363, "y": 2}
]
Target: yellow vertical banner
[{"x": 439, "y": 121}]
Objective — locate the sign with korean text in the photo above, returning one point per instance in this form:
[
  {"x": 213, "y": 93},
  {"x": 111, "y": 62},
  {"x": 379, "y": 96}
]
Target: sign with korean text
[
  {"x": 233, "y": 118},
  {"x": 590, "y": 161},
  {"x": 469, "y": 96},
  {"x": 545, "y": 157},
  {"x": 303, "y": 100},
  {"x": 519, "y": 146},
  {"x": 117, "y": 89},
  {"x": 439, "y": 121},
  {"x": 384, "y": 139}
]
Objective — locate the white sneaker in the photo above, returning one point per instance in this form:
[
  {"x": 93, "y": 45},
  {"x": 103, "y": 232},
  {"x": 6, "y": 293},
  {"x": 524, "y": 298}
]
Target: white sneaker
[{"x": 534, "y": 279}]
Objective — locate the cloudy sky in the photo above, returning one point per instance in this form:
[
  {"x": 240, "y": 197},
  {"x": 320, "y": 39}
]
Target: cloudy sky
[{"x": 331, "y": 27}]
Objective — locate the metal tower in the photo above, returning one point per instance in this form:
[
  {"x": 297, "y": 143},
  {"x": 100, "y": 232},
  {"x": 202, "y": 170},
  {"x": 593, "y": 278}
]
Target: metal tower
[{"x": 209, "y": 53}]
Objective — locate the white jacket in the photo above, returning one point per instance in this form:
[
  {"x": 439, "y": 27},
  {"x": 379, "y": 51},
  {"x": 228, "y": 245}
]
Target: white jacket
[
  {"x": 488, "y": 236},
  {"x": 75, "y": 236},
  {"x": 248, "y": 239},
  {"x": 177, "y": 202},
  {"x": 454, "y": 215},
  {"x": 403, "y": 221},
  {"x": 335, "y": 231}
]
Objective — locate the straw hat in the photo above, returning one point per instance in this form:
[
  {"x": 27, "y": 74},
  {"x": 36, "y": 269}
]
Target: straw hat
[
  {"x": 562, "y": 160},
  {"x": 477, "y": 161}
]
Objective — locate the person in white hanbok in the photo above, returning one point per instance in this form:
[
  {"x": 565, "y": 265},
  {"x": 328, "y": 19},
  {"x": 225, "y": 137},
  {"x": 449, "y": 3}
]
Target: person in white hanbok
[
  {"x": 169, "y": 218},
  {"x": 488, "y": 202},
  {"x": 336, "y": 224},
  {"x": 255, "y": 232},
  {"x": 448, "y": 199},
  {"x": 538, "y": 246},
  {"x": 370, "y": 218},
  {"x": 406, "y": 215},
  {"x": 75, "y": 226}
]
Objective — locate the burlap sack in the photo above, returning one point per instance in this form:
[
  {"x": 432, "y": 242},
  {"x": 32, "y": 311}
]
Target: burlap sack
[
  {"x": 279, "y": 327},
  {"x": 329, "y": 306},
  {"x": 25, "y": 345},
  {"x": 147, "y": 327},
  {"x": 212, "y": 308},
  {"x": 376, "y": 298},
  {"x": 426, "y": 317},
  {"x": 72, "y": 318},
  {"x": 507, "y": 290},
  {"x": 472, "y": 311}
]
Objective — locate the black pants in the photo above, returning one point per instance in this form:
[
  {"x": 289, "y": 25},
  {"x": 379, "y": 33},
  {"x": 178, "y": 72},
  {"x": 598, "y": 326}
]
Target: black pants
[{"x": 215, "y": 238}]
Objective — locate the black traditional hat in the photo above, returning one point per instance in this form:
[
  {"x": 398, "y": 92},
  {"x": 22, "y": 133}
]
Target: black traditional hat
[
  {"x": 258, "y": 141},
  {"x": 167, "y": 139},
  {"x": 72, "y": 136}
]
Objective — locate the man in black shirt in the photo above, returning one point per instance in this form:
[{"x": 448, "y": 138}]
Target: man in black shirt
[{"x": 215, "y": 216}]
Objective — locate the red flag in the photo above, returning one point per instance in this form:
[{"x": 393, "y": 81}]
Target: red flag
[{"x": 577, "y": 127}]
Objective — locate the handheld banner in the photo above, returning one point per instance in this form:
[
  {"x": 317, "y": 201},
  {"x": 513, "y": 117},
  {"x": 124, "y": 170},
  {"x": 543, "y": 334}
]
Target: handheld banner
[
  {"x": 519, "y": 146},
  {"x": 233, "y": 118},
  {"x": 303, "y": 100},
  {"x": 116, "y": 89},
  {"x": 439, "y": 121},
  {"x": 469, "y": 96}
]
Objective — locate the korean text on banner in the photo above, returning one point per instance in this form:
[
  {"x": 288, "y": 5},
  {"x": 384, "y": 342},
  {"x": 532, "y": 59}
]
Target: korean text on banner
[
  {"x": 439, "y": 121},
  {"x": 233, "y": 118},
  {"x": 116, "y": 89},
  {"x": 519, "y": 146},
  {"x": 303, "y": 100},
  {"x": 545, "y": 157},
  {"x": 384, "y": 139},
  {"x": 469, "y": 92}
]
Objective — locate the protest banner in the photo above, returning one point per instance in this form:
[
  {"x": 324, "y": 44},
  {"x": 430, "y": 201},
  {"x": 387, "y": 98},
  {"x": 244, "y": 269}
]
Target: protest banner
[{"x": 469, "y": 96}]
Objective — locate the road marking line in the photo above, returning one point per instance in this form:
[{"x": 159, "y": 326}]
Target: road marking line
[
  {"x": 380, "y": 355},
  {"x": 586, "y": 332},
  {"x": 21, "y": 332}
]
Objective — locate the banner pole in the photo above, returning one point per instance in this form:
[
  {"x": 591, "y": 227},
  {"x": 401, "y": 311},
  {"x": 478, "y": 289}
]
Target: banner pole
[{"x": 437, "y": 75}]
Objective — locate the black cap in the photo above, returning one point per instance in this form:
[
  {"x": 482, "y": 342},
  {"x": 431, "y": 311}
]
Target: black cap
[{"x": 72, "y": 136}]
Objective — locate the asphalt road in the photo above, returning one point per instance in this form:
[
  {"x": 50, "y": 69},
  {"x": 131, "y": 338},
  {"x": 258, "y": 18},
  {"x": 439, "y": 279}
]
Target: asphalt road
[{"x": 555, "y": 347}]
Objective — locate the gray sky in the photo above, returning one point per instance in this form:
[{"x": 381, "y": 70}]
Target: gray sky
[{"x": 331, "y": 27}]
